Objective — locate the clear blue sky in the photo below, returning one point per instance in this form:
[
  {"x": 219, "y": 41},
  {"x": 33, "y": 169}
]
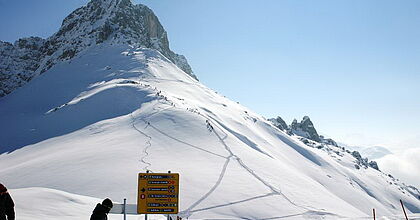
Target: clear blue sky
[{"x": 353, "y": 66}]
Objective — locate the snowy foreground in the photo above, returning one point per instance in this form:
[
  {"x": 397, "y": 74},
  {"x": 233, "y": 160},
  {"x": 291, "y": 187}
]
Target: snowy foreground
[
  {"x": 51, "y": 204},
  {"x": 84, "y": 129}
]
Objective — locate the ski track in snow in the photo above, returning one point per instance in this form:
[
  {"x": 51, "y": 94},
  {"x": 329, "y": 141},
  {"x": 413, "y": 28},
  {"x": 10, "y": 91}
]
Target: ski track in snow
[
  {"x": 186, "y": 213},
  {"x": 219, "y": 180},
  {"x": 249, "y": 170},
  {"x": 183, "y": 142},
  {"x": 189, "y": 211},
  {"x": 233, "y": 203},
  {"x": 148, "y": 144}
]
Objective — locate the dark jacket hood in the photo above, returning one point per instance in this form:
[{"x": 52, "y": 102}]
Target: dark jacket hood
[{"x": 101, "y": 209}]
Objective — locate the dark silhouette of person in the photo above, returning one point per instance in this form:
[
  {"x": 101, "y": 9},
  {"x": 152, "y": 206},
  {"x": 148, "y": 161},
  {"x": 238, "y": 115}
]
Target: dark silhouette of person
[
  {"x": 7, "y": 206},
  {"x": 101, "y": 210}
]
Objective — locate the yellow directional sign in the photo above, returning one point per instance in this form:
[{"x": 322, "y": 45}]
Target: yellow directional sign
[{"x": 158, "y": 193}]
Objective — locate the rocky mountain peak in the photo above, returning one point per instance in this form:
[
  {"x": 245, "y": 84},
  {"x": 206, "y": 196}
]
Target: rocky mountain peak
[
  {"x": 306, "y": 119},
  {"x": 117, "y": 22},
  {"x": 305, "y": 129},
  {"x": 279, "y": 123},
  {"x": 100, "y": 21}
]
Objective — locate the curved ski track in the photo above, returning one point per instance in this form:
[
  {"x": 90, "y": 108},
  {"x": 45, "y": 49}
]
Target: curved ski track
[{"x": 189, "y": 211}]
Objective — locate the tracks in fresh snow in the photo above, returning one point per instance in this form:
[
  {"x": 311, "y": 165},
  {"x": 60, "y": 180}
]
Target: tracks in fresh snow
[
  {"x": 308, "y": 214},
  {"x": 234, "y": 203},
  {"x": 190, "y": 210},
  {"x": 219, "y": 180},
  {"x": 183, "y": 142},
  {"x": 274, "y": 190},
  {"x": 148, "y": 144}
]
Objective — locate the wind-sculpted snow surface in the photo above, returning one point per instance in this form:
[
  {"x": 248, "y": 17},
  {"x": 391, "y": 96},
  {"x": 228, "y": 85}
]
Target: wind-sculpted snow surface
[{"x": 90, "y": 125}]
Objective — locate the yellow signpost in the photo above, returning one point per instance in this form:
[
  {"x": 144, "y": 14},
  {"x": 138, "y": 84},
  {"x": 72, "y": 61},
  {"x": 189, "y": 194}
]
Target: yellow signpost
[{"x": 158, "y": 193}]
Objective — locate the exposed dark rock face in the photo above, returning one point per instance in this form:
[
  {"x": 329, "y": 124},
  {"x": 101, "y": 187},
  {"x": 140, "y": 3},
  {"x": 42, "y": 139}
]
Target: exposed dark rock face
[
  {"x": 18, "y": 62},
  {"x": 279, "y": 123},
  {"x": 328, "y": 141},
  {"x": 100, "y": 21},
  {"x": 309, "y": 136},
  {"x": 305, "y": 129},
  {"x": 364, "y": 161},
  {"x": 374, "y": 165}
]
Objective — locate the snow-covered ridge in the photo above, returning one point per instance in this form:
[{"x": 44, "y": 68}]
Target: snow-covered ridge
[
  {"x": 306, "y": 132},
  {"x": 114, "y": 108},
  {"x": 112, "y": 21},
  {"x": 118, "y": 110}
]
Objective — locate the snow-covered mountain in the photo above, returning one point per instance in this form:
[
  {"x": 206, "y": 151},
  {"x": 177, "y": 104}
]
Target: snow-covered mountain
[
  {"x": 116, "y": 21},
  {"x": 85, "y": 128}
]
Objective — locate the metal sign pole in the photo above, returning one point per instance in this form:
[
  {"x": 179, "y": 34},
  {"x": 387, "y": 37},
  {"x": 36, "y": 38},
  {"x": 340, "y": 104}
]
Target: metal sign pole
[
  {"x": 402, "y": 205},
  {"x": 168, "y": 218},
  {"x": 145, "y": 216},
  {"x": 374, "y": 214},
  {"x": 125, "y": 209}
]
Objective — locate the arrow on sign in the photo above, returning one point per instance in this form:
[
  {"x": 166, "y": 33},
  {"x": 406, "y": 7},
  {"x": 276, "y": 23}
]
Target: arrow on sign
[{"x": 143, "y": 190}]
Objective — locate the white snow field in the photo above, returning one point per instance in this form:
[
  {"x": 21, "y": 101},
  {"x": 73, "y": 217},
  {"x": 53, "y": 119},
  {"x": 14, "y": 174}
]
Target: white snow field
[{"x": 83, "y": 130}]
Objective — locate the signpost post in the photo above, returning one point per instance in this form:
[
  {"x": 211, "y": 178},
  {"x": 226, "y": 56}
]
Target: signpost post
[
  {"x": 158, "y": 193},
  {"x": 125, "y": 209}
]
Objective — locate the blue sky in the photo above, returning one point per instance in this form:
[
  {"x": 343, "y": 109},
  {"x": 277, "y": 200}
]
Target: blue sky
[{"x": 352, "y": 66}]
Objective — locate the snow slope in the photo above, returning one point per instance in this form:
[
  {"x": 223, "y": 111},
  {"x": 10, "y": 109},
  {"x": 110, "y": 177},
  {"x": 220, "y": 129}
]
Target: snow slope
[
  {"x": 89, "y": 125},
  {"x": 49, "y": 204},
  {"x": 111, "y": 21}
]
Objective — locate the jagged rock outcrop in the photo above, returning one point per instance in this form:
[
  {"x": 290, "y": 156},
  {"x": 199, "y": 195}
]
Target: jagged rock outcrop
[
  {"x": 328, "y": 141},
  {"x": 374, "y": 165},
  {"x": 100, "y": 21},
  {"x": 305, "y": 129},
  {"x": 309, "y": 136},
  {"x": 279, "y": 123},
  {"x": 18, "y": 62},
  {"x": 364, "y": 162}
]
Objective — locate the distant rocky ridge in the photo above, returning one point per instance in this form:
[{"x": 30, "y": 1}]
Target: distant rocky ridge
[
  {"x": 305, "y": 128},
  {"x": 307, "y": 133},
  {"x": 372, "y": 152},
  {"x": 100, "y": 21},
  {"x": 18, "y": 62}
]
